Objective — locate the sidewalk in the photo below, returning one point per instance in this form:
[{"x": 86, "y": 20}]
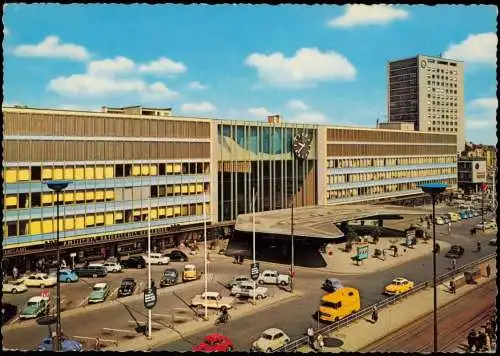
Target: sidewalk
[{"x": 394, "y": 317}]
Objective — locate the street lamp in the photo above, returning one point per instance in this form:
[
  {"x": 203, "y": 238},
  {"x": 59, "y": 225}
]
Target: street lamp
[
  {"x": 434, "y": 189},
  {"x": 58, "y": 186}
]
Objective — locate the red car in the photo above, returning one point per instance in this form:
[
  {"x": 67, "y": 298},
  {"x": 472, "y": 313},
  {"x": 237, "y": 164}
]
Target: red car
[{"x": 215, "y": 343}]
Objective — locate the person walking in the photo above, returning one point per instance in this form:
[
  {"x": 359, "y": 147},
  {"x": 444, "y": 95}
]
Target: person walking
[
  {"x": 15, "y": 273},
  {"x": 471, "y": 341},
  {"x": 453, "y": 264},
  {"x": 320, "y": 343},
  {"x": 479, "y": 246},
  {"x": 488, "y": 271},
  {"x": 453, "y": 287},
  {"x": 310, "y": 335},
  {"x": 449, "y": 227},
  {"x": 375, "y": 314}
]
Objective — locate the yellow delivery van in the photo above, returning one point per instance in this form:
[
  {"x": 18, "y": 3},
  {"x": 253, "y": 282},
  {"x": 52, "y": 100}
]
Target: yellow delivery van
[{"x": 339, "y": 304}]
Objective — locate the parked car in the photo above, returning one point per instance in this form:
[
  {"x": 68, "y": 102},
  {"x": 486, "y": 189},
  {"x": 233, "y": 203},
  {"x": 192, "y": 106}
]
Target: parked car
[
  {"x": 16, "y": 286},
  {"x": 112, "y": 267},
  {"x": 215, "y": 343},
  {"x": 40, "y": 280},
  {"x": 37, "y": 306},
  {"x": 398, "y": 286},
  {"x": 66, "y": 345},
  {"x": 68, "y": 276},
  {"x": 274, "y": 277},
  {"x": 169, "y": 277},
  {"x": 455, "y": 251},
  {"x": 493, "y": 242},
  {"x": 238, "y": 280},
  {"x": 332, "y": 284},
  {"x": 9, "y": 311},
  {"x": 177, "y": 256},
  {"x": 271, "y": 340},
  {"x": 99, "y": 293},
  {"x": 157, "y": 259},
  {"x": 214, "y": 300},
  {"x": 249, "y": 290},
  {"x": 464, "y": 215},
  {"x": 127, "y": 287},
  {"x": 93, "y": 271},
  {"x": 134, "y": 262}
]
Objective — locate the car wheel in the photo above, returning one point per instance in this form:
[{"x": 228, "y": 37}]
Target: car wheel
[
  {"x": 258, "y": 297},
  {"x": 160, "y": 263},
  {"x": 94, "y": 275},
  {"x": 13, "y": 291},
  {"x": 229, "y": 349},
  {"x": 336, "y": 318},
  {"x": 269, "y": 350},
  {"x": 261, "y": 281},
  {"x": 237, "y": 295},
  {"x": 42, "y": 286},
  {"x": 68, "y": 280},
  {"x": 181, "y": 259},
  {"x": 283, "y": 283}
]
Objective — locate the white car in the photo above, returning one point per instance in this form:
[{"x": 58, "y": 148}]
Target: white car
[
  {"x": 14, "y": 287},
  {"x": 40, "y": 280},
  {"x": 247, "y": 289},
  {"x": 157, "y": 259},
  {"x": 112, "y": 267},
  {"x": 439, "y": 221},
  {"x": 271, "y": 340},
  {"x": 274, "y": 277}
]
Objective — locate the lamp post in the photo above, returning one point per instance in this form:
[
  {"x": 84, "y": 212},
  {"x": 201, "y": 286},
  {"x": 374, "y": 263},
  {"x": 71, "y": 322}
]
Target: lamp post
[
  {"x": 205, "y": 259},
  {"x": 58, "y": 186},
  {"x": 150, "y": 336},
  {"x": 434, "y": 189},
  {"x": 253, "y": 241}
]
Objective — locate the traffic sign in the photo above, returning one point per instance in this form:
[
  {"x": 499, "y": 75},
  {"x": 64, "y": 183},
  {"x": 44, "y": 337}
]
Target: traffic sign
[
  {"x": 254, "y": 271},
  {"x": 150, "y": 298}
]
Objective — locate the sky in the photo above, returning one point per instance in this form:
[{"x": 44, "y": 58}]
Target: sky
[{"x": 315, "y": 64}]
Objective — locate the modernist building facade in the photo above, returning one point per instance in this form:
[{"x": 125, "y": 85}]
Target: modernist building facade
[
  {"x": 472, "y": 173},
  {"x": 121, "y": 163},
  {"x": 429, "y": 92}
]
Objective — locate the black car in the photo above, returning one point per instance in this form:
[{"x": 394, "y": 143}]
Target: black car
[
  {"x": 169, "y": 277},
  {"x": 91, "y": 271},
  {"x": 177, "y": 256},
  {"x": 455, "y": 251},
  {"x": 134, "y": 262},
  {"x": 9, "y": 311},
  {"x": 127, "y": 287}
]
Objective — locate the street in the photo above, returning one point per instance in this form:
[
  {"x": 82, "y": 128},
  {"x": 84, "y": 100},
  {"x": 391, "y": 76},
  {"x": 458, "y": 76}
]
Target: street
[{"x": 292, "y": 316}]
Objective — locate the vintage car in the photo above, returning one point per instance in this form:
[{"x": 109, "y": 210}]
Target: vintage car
[
  {"x": 215, "y": 343},
  {"x": 214, "y": 300},
  {"x": 66, "y": 275},
  {"x": 66, "y": 345},
  {"x": 169, "y": 277},
  {"x": 127, "y": 287},
  {"x": 99, "y": 293},
  {"x": 271, "y": 340},
  {"x": 249, "y": 290},
  {"x": 41, "y": 280},
  {"x": 238, "y": 280},
  {"x": 37, "y": 306},
  {"x": 332, "y": 284},
  {"x": 398, "y": 286},
  {"x": 190, "y": 273},
  {"x": 274, "y": 277},
  {"x": 157, "y": 258},
  {"x": 93, "y": 270},
  {"x": 134, "y": 262},
  {"x": 112, "y": 266},
  {"x": 16, "y": 286},
  {"x": 455, "y": 251},
  {"x": 177, "y": 256}
]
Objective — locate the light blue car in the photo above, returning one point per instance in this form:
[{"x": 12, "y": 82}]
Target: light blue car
[
  {"x": 66, "y": 345},
  {"x": 464, "y": 215},
  {"x": 68, "y": 276}
]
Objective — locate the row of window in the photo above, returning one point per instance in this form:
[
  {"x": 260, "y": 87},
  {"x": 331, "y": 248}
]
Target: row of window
[
  {"x": 382, "y": 162},
  {"x": 364, "y": 177},
  {"x": 444, "y": 84},
  {"x": 380, "y": 189},
  {"x": 78, "y": 222},
  {"x": 451, "y": 123},
  {"x": 69, "y": 197},
  {"x": 74, "y": 172},
  {"x": 444, "y": 129},
  {"x": 432, "y": 69}
]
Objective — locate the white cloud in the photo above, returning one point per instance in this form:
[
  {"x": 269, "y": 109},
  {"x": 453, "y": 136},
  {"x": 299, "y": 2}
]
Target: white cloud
[
  {"x": 111, "y": 67},
  {"x": 476, "y": 48},
  {"x": 484, "y": 103},
  {"x": 77, "y": 107},
  {"x": 308, "y": 117},
  {"x": 51, "y": 47},
  {"x": 360, "y": 15},
  {"x": 163, "y": 66},
  {"x": 92, "y": 86},
  {"x": 196, "y": 86},
  {"x": 296, "y": 105},
  {"x": 202, "y": 107},
  {"x": 260, "y": 112},
  {"x": 157, "y": 92},
  {"x": 308, "y": 67}
]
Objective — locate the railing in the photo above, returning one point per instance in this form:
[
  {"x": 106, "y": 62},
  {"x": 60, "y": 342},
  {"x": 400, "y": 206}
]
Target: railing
[{"x": 295, "y": 344}]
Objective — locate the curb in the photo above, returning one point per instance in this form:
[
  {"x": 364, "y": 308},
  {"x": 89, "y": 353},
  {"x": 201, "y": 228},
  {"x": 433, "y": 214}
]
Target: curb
[{"x": 140, "y": 345}]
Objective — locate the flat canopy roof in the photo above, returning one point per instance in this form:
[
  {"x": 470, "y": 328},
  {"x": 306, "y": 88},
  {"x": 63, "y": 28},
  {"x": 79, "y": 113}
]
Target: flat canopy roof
[{"x": 319, "y": 221}]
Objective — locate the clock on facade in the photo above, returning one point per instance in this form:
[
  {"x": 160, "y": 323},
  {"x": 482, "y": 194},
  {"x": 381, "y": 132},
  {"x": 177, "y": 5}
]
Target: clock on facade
[
  {"x": 423, "y": 63},
  {"x": 301, "y": 145}
]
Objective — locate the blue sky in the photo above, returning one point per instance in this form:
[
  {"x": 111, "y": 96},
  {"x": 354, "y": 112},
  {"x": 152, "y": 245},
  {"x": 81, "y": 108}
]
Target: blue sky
[{"x": 308, "y": 63}]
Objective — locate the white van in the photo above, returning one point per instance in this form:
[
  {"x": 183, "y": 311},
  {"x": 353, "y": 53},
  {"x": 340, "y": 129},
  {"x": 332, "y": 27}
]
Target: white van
[{"x": 157, "y": 259}]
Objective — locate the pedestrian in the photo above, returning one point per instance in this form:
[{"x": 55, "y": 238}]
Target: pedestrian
[
  {"x": 310, "y": 335},
  {"x": 449, "y": 227},
  {"x": 471, "y": 341},
  {"x": 453, "y": 263},
  {"x": 453, "y": 287},
  {"x": 63, "y": 263},
  {"x": 481, "y": 341},
  {"x": 15, "y": 273},
  {"x": 488, "y": 271},
  {"x": 428, "y": 225},
  {"x": 320, "y": 343},
  {"x": 375, "y": 314},
  {"x": 478, "y": 246},
  {"x": 438, "y": 248}
]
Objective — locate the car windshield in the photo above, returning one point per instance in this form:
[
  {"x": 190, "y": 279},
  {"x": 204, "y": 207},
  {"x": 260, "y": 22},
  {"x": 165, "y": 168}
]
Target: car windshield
[
  {"x": 169, "y": 273},
  {"x": 30, "y": 304},
  {"x": 126, "y": 283},
  {"x": 97, "y": 289},
  {"x": 267, "y": 336},
  {"x": 329, "y": 304}
]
